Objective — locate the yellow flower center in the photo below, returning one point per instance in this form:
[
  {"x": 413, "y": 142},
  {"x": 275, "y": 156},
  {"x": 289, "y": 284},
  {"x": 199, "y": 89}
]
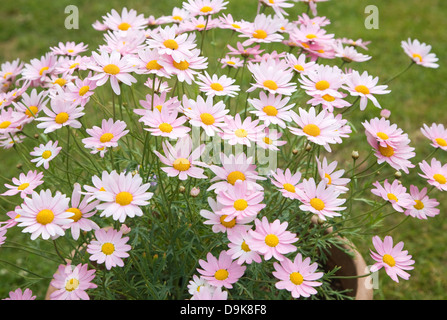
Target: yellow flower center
[
  {"x": 124, "y": 198},
  {"x": 387, "y": 151},
  {"x": 77, "y": 214},
  {"x": 311, "y": 130},
  {"x": 441, "y": 142},
  {"x": 311, "y": 36},
  {"x": 182, "y": 65},
  {"x": 270, "y": 111},
  {"x": 440, "y": 178},
  {"x": 111, "y": 69},
  {"x": 271, "y": 240},
  {"x": 159, "y": 107},
  {"x": 382, "y": 135},
  {"x": 328, "y": 98},
  {"x": 45, "y": 216},
  {"x": 165, "y": 127},
  {"x": 328, "y": 177},
  {"x": 296, "y": 278},
  {"x": 7, "y": 74},
  {"x": 231, "y": 62},
  {"x": 241, "y": 133},
  {"x": 84, "y": 90},
  {"x": 178, "y": 18},
  {"x": 389, "y": 260},
  {"x": 72, "y": 284},
  {"x": 362, "y": 89},
  {"x": 207, "y": 119},
  {"x": 31, "y": 111},
  {"x": 391, "y": 196},
  {"x": 61, "y": 118},
  {"x": 419, "y": 205},
  {"x": 267, "y": 140},
  {"x": 234, "y": 25},
  {"x": 206, "y": 9},
  {"x": 181, "y": 164},
  {"x": 322, "y": 85},
  {"x": 260, "y": 34},
  {"x": 317, "y": 204},
  {"x": 171, "y": 44},
  {"x": 289, "y": 187},
  {"x": 217, "y": 86},
  {"x": 108, "y": 248},
  {"x": 106, "y": 137},
  {"x": 245, "y": 247},
  {"x": 153, "y": 65},
  {"x": 240, "y": 204},
  {"x": 221, "y": 274},
  {"x": 46, "y": 154},
  {"x": 234, "y": 176},
  {"x": 417, "y": 56},
  {"x": 41, "y": 71},
  {"x": 60, "y": 81},
  {"x": 74, "y": 65},
  {"x": 5, "y": 124},
  {"x": 200, "y": 26},
  {"x": 227, "y": 224},
  {"x": 270, "y": 84},
  {"x": 298, "y": 67},
  {"x": 23, "y": 186},
  {"x": 124, "y": 26}
]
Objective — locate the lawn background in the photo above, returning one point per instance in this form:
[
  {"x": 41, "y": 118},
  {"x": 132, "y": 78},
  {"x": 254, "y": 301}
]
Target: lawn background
[{"x": 28, "y": 28}]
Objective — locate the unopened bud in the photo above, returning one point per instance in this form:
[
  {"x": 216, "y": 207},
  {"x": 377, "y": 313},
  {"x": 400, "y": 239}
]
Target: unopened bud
[
  {"x": 294, "y": 151},
  {"x": 181, "y": 189},
  {"x": 194, "y": 192},
  {"x": 308, "y": 147},
  {"x": 36, "y": 136},
  {"x": 398, "y": 175},
  {"x": 355, "y": 154},
  {"x": 125, "y": 229}
]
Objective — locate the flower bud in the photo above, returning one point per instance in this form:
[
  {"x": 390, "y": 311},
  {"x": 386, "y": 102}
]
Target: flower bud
[
  {"x": 398, "y": 174},
  {"x": 355, "y": 154},
  {"x": 385, "y": 113},
  {"x": 194, "y": 192},
  {"x": 124, "y": 229},
  {"x": 295, "y": 151},
  {"x": 181, "y": 189}
]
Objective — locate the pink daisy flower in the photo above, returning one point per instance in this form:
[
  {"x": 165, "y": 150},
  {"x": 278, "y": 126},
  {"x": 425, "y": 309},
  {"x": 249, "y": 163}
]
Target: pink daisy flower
[
  {"x": 81, "y": 211},
  {"x": 323, "y": 80},
  {"x": 45, "y": 153},
  {"x": 71, "y": 282},
  {"x": 37, "y": 70},
  {"x": 204, "y": 7},
  {"x": 126, "y": 43},
  {"x": 98, "y": 185},
  {"x": 11, "y": 121},
  {"x": 242, "y": 132},
  {"x": 356, "y": 43},
  {"x": 437, "y": 134},
  {"x": 123, "y": 196},
  {"x": 392, "y": 258},
  {"x": 227, "y": 22},
  {"x": 299, "y": 64},
  {"x": 322, "y": 128},
  {"x": 217, "y": 86},
  {"x": 25, "y": 184},
  {"x": 278, "y": 6},
  {"x": 348, "y": 53},
  {"x": 239, "y": 250},
  {"x": 128, "y": 19},
  {"x": 199, "y": 23},
  {"x": 420, "y": 53},
  {"x": 69, "y": 48},
  {"x": 31, "y": 104},
  {"x": 68, "y": 65},
  {"x": 181, "y": 160},
  {"x": 382, "y": 132},
  {"x": 271, "y": 239},
  {"x": 113, "y": 67},
  {"x": 146, "y": 62},
  {"x": 63, "y": 113},
  {"x": 177, "y": 16},
  {"x": 218, "y": 222},
  {"x": 10, "y": 70},
  {"x": 364, "y": 86},
  {"x": 44, "y": 215},
  {"x": 210, "y": 293},
  {"x": 272, "y": 109},
  {"x": 270, "y": 139},
  {"x": 160, "y": 102},
  {"x": 110, "y": 247},
  {"x": 245, "y": 52},
  {"x": 205, "y": 114},
  {"x": 18, "y": 294},
  {"x": 264, "y": 29},
  {"x": 233, "y": 168},
  {"x": 424, "y": 206},
  {"x": 80, "y": 91},
  {"x": 165, "y": 123},
  {"x": 240, "y": 202},
  {"x": 328, "y": 102},
  {"x": 221, "y": 271},
  {"x": 272, "y": 76},
  {"x": 298, "y": 276},
  {"x": 435, "y": 173},
  {"x": 321, "y": 199},
  {"x": 287, "y": 182},
  {"x": 231, "y": 62},
  {"x": 395, "y": 193},
  {"x": 106, "y": 136},
  {"x": 332, "y": 176}
]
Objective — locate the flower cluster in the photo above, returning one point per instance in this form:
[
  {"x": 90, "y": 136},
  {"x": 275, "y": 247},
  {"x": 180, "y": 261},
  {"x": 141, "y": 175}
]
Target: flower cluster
[{"x": 149, "y": 131}]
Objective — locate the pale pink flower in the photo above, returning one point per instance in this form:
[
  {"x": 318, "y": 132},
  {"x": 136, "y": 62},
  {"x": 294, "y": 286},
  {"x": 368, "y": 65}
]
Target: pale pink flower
[
  {"x": 127, "y": 43},
  {"x": 147, "y": 62},
  {"x": 181, "y": 160},
  {"x": 392, "y": 258},
  {"x": 231, "y": 62},
  {"x": 44, "y": 153},
  {"x": 311, "y": 35},
  {"x": 113, "y": 67},
  {"x": 71, "y": 282},
  {"x": 127, "y": 20},
  {"x": 217, "y": 86},
  {"x": 44, "y": 215},
  {"x": 321, "y": 199},
  {"x": 80, "y": 91},
  {"x": 123, "y": 196},
  {"x": 395, "y": 193},
  {"x": 10, "y": 70},
  {"x": 110, "y": 247},
  {"x": 68, "y": 65},
  {"x": 165, "y": 123},
  {"x": 299, "y": 64},
  {"x": 437, "y": 134},
  {"x": 323, "y": 80},
  {"x": 270, "y": 139},
  {"x": 160, "y": 102},
  {"x": 221, "y": 271},
  {"x": 25, "y": 184},
  {"x": 348, "y": 53},
  {"x": 332, "y": 176},
  {"x": 383, "y": 133},
  {"x": 31, "y": 104},
  {"x": 62, "y": 113},
  {"x": 18, "y": 294},
  {"x": 204, "y": 7},
  {"x": 69, "y": 48},
  {"x": 365, "y": 87},
  {"x": 264, "y": 29},
  {"x": 356, "y": 43},
  {"x": 227, "y": 22},
  {"x": 185, "y": 70},
  {"x": 273, "y": 109},
  {"x": 435, "y": 173},
  {"x": 287, "y": 182},
  {"x": 385, "y": 113},
  {"x": 278, "y": 6},
  {"x": 271, "y": 239},
  {"x": 318, "y": 20},
  {"x": 37, "y": 70},
  {"x": 210, "y": 293},
  {"x": 240, "y": 250},
  {"x": 420, "y": 53},
  {"x": 242, "y": 132},
  {"x": 297, "y": 276},
  {"x": 424, "y": 206},
  {"x": 106, "y": 136},
  {"x": 11, "y": 121},
  {"x": 243, "y": 51},
  {"x": 199, "y": 23},
  {"x": 177, "y": 16}
]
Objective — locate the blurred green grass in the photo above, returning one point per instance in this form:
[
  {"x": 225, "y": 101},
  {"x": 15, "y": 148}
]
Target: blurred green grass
[{"x": 29, "y": 28}]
